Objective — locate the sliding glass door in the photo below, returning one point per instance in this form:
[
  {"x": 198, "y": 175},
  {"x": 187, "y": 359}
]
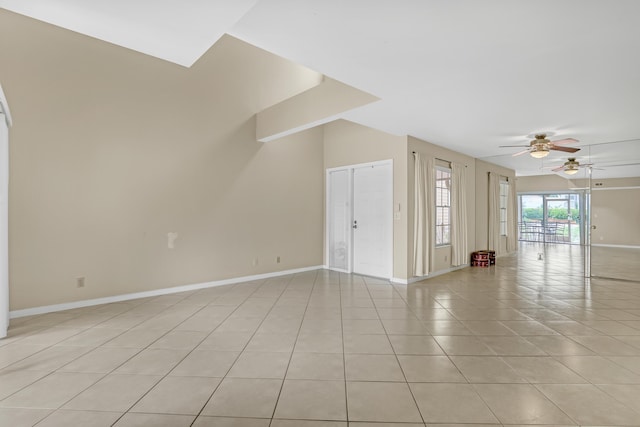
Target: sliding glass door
[{"x": 551, "y": 218}]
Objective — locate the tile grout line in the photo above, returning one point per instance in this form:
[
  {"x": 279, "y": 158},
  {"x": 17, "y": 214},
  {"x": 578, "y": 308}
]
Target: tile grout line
[{"x": 275, "y": 406}]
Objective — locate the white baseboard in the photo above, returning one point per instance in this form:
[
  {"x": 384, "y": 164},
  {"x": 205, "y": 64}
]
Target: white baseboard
[
  {"x": 154, "y": 293},
  {"x": 599, "y": 245},
  {"x": 429, "y": 276}
]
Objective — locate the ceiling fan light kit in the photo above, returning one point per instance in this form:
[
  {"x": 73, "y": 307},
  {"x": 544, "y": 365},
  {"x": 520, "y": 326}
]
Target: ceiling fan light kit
[
  {"x": 571, "y": 171},
  {"x": 539, "y": 153},
  {"x": 571, "y": 166},
  {"x": 540, "y": 146}
]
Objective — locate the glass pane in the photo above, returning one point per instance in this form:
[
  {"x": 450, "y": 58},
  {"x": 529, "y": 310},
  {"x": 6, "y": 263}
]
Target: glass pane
[
  {"x": 532, "y": 208},
  {"x": 340, "y": 221},
  {"x": 446, "y": 237}
]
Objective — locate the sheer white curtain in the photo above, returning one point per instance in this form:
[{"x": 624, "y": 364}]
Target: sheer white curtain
[
  {"x": 459, "y": 245},
  {"x": 422, "y": 214},
  {"x": 494, "y": 212},
  {"x": 512, "y": 208}
]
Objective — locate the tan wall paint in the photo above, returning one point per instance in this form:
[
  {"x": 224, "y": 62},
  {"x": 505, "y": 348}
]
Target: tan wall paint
[
  {"x": 542, "y": 183},
  {"x": 112, "y": 149},
  {"x": 609, "y": 183},
  {"x": 615, "y": 212},
  {"x": 435, "y": 151},
  {"x": 442, "y": 258},
  {"x": 482, "y": 202},
  {"x": 616, "y": 215},
  {"x": 314, "y": 106},
  {"x": 347, "y": 143}
]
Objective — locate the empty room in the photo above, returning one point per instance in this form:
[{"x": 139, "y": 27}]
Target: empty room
[{"x": 279, "y": 213}]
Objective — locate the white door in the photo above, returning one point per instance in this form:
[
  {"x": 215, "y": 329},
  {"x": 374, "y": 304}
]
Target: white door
[
  {"x": 339, "y": 219},
  {"x": 373, "y": 220},
  {"x": 4, "y": 224}
]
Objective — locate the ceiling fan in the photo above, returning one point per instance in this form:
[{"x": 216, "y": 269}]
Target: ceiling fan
[
  {"x": 571, "y": 166},
  {"x": 540, "y": 146}
]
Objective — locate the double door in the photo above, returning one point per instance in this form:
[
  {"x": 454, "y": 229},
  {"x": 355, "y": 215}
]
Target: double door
[{"x": 360, "y": 219}]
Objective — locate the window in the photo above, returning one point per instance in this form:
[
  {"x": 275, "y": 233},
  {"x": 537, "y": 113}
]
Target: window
[
  {"x": 443, "y": 206},
  {"x": 504, "y": 196}
]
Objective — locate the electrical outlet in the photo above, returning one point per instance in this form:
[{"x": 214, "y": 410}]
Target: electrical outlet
[
  {"x": 278, "y": 260},
  {"x": 80, "y": 282},
  {"x": 255, "y": 261}
]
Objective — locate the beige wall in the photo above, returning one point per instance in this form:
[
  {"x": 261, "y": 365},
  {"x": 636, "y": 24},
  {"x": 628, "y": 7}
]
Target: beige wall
[
  {"x": 310, "y": 108},
  {"x": 442, "y": 255},
  {"x": 112, "y": 149},
  {"x": 616, "y": 216},
  {"x": 347, "y": 143},
  {"x": 609, "y": 183},
  {"x": 482, "y": 202},
  {"x": 542, "y": 183},
  {"x": 615, "y": 205}
]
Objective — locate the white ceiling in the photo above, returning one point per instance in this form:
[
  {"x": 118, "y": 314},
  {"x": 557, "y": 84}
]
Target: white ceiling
[
  {"x": 469, "y": 75},
  {"x": 165, "y": 29}
]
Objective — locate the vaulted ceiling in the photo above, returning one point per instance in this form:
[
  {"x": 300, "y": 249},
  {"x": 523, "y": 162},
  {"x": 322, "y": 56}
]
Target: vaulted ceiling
[{"x": 469, "y": 75}]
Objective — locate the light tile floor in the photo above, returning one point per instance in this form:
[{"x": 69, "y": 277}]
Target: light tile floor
[{"x": 526, "y": 342}]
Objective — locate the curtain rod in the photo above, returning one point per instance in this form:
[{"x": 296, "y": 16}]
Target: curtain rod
[
  {"x": 442, "y": 160},
  {"x": 500, "y": 175}
]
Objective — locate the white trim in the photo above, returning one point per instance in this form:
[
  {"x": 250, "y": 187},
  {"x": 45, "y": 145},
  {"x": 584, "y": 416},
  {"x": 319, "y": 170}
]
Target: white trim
[
  {"x": 615, "y": 246},
  {"x": 4, "y": 107},
  {"x": 633, "y": 187},
  {"x": 338, "y": 270},
  {"x": 361, "y": 165},
  {"x": 4, "y": 225},
  {"x": 327, "y": 203},
  {"x": 300, "y": 128},
  {"x": 351, "y": 169},
  {"x": 157, "y": 292},
  {"x": 572, "y": 190},
  {"x": 428, "y": 276}
]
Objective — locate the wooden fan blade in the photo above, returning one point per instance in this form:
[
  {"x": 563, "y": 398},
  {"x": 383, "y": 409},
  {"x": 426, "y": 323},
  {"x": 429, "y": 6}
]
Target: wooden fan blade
[
  {"x": 565, "y": 141},
  {"x": 521, "y": 153},
  {"x": 566, "y": 149},
  {"x": 504, "y": 146},
  {"x": 558, "y": 169}
]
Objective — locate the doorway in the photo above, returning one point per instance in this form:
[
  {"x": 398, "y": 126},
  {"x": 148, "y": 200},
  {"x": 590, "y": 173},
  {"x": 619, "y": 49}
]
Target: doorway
[
  {"x": 552, "y": 218},
  {"x": 359, "y": 220}
]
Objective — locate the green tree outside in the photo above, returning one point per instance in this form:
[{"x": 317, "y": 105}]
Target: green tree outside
[{"x": 536, "y": 214}]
